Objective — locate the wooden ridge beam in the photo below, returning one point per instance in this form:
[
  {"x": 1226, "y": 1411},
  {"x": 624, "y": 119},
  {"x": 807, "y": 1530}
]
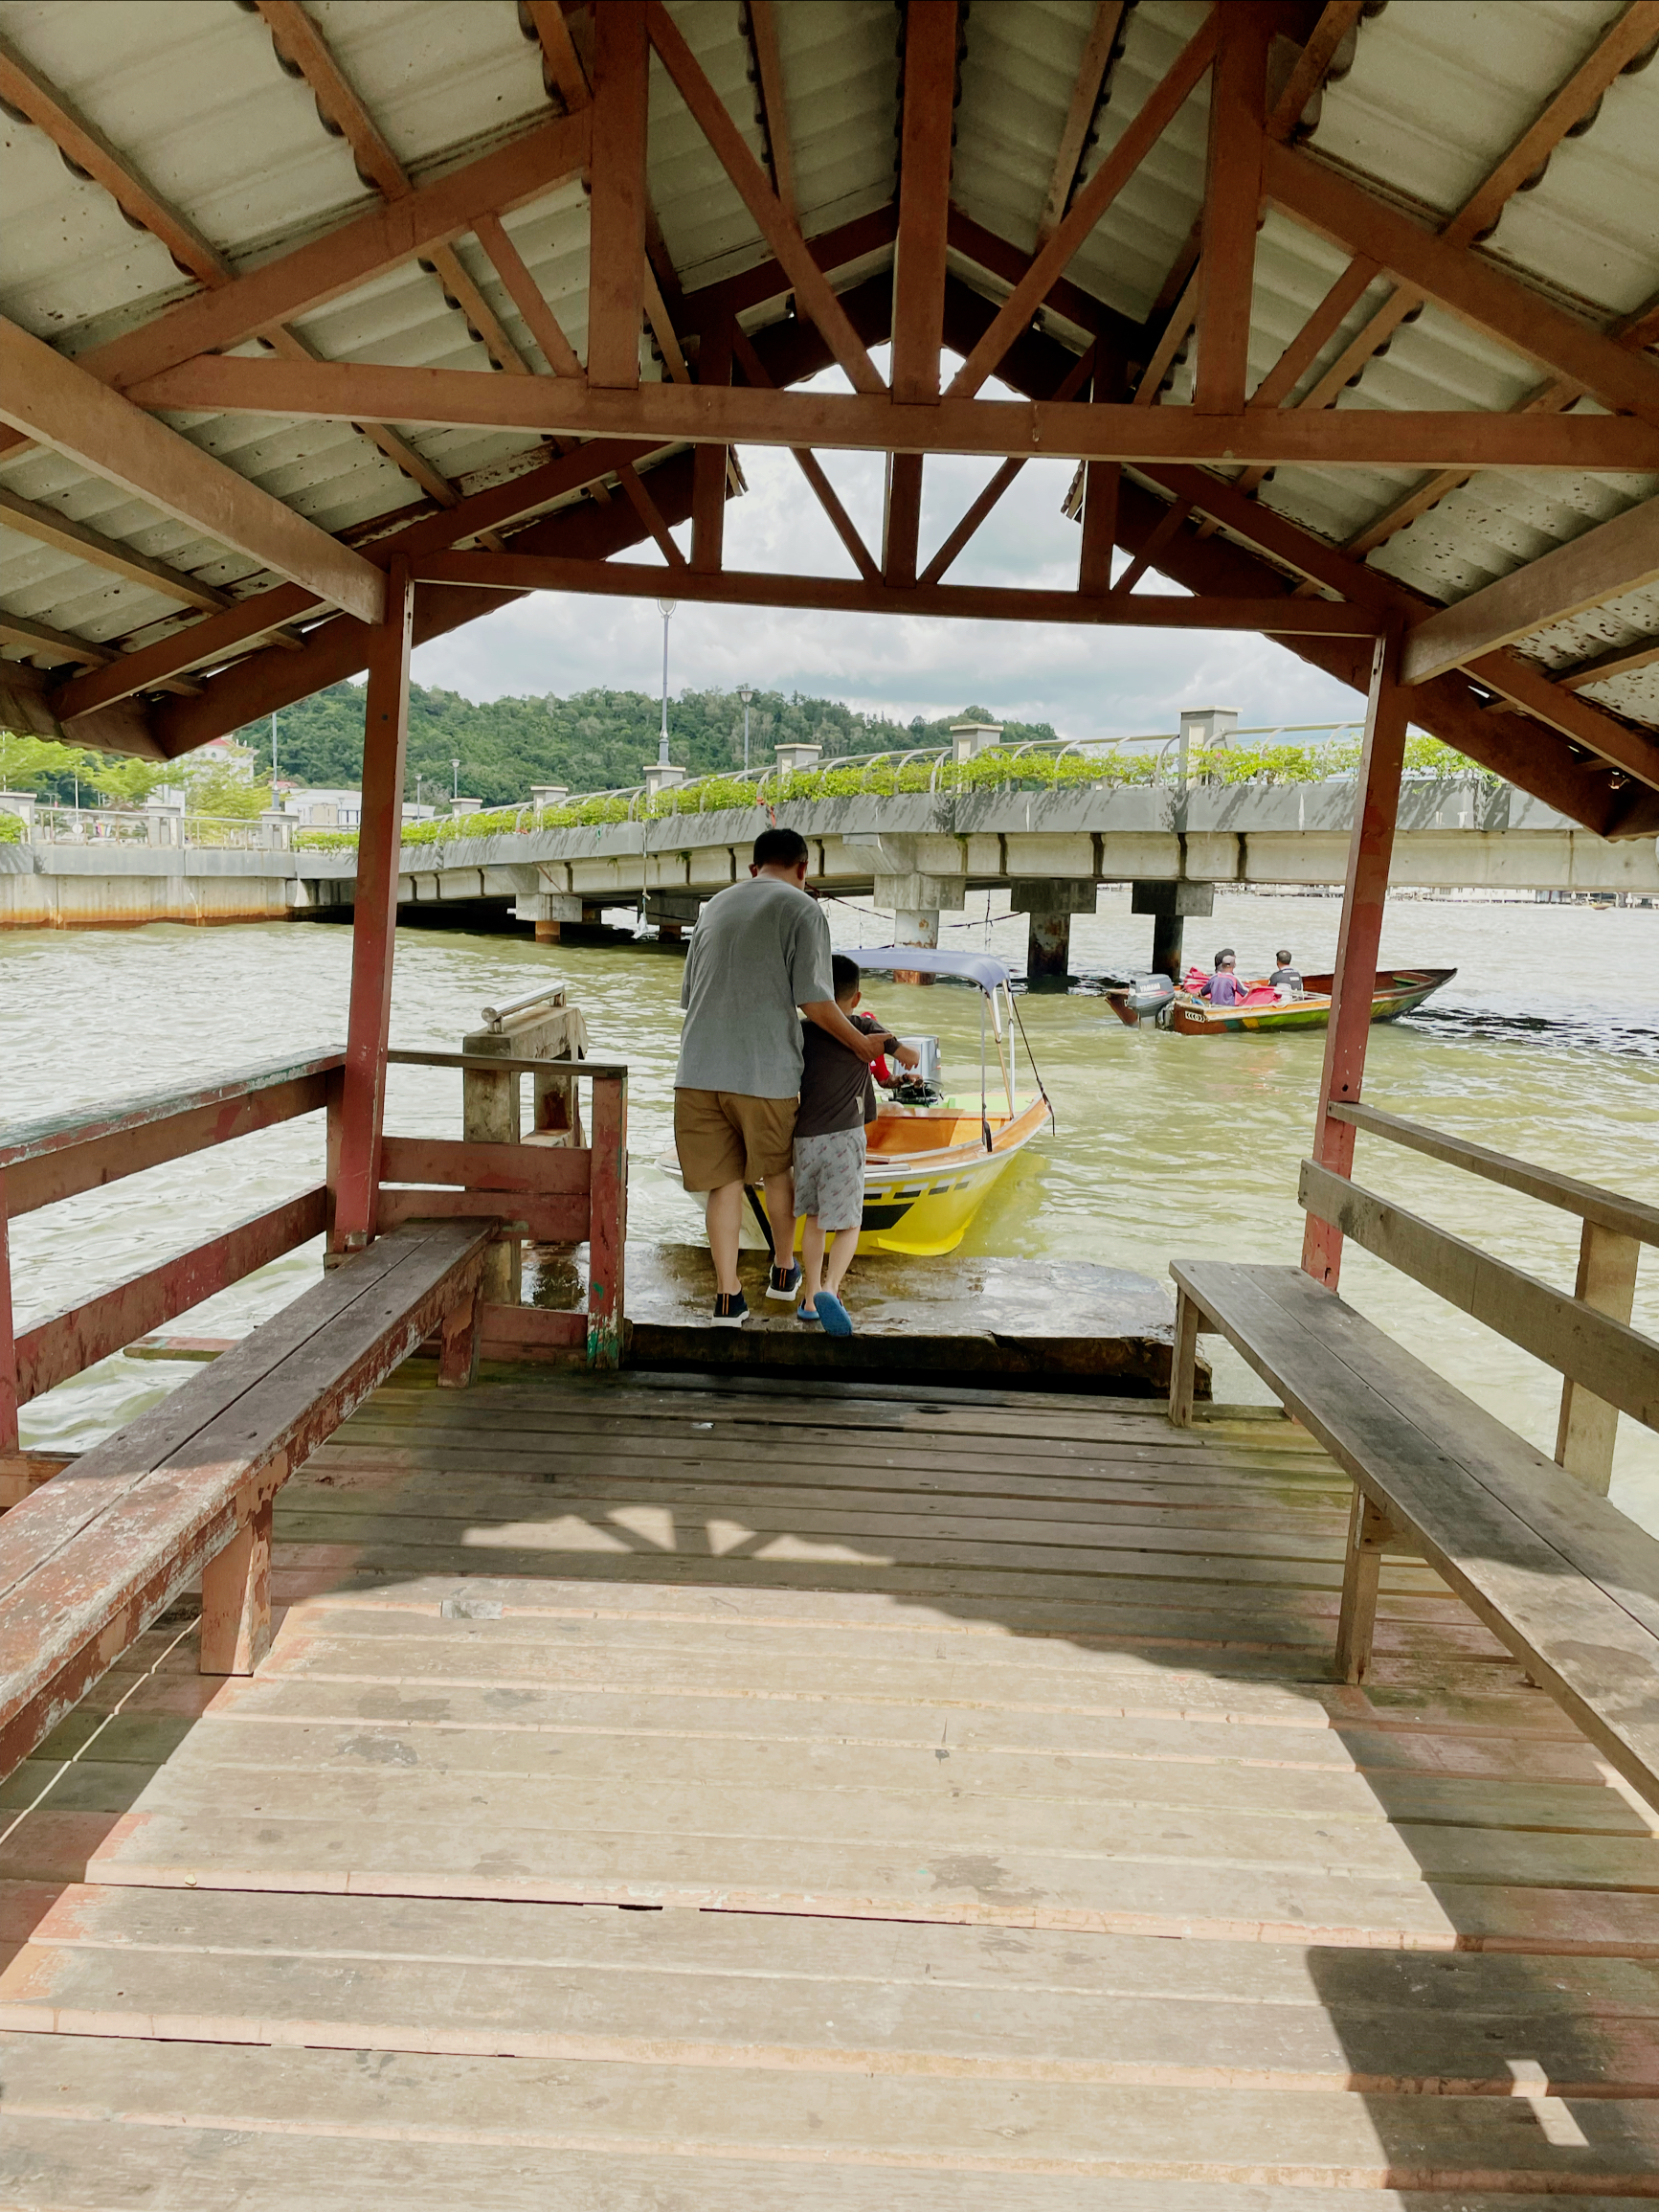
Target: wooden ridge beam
[
  {"x": 1085, "y": 92},
  {"x": 616, "y": 247},
  {"x": 709, "y": 113},
  {"x": 31, "y": 518},
  {"x": 1232, "y": 205},
  {"x": 1163, "y": 103},
  {"x": 59, "y": 403},
  {"x": 848, "y": 595},
  {"x": 1467, "y": 286},
  {"x": 928, "y": 127},
  {"x": 1617, "y": 557},
  {"x": 541, "y": 405},
  {"x": 222, "y": 635}
]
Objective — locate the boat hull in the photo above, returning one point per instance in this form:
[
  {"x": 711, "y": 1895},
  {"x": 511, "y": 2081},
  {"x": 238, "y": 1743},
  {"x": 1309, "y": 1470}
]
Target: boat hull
[
  {"x": 928, "y": 1174},
  {"x": 1398, "y": 990}
]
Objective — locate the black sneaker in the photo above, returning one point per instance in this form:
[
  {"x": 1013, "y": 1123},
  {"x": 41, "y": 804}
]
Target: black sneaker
[
  {"x": 731, "y": 1310},
  {"x": 784, "y": 1283}
]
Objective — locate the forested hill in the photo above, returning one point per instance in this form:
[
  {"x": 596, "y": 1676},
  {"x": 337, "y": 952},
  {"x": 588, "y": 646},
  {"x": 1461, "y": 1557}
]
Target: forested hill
[{"x": 597, "y": 741}]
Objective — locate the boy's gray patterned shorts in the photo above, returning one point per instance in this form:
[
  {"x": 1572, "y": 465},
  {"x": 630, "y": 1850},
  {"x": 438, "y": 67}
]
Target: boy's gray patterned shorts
[{"x": 829, "y": 1178}]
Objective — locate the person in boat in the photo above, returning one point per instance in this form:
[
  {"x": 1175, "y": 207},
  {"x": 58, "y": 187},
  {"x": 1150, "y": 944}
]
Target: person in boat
[
  {"x": 759, "y": 950},
  {"x": 1223, "y": 988},
  {"x": 1287, "y": 978},
  {"x": 1198, "y": 983},
  {"x": 836, "y": 1100}
]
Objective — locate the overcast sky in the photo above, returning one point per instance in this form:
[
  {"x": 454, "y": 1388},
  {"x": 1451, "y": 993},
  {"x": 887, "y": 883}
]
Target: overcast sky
[{"x": 1088, "y": 683}]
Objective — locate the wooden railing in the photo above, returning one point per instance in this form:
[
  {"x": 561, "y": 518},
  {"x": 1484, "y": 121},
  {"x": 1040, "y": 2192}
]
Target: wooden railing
[
  {"x": 567, "y": 1194},
  {"x": 1607, "y": 1368}
]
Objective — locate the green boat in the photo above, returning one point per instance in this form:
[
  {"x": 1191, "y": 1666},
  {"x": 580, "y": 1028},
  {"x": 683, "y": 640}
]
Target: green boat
[{"x": 1398, "y": 991}]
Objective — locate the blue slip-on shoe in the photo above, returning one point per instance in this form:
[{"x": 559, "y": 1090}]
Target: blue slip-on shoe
[
  {"x": 731, "y": 1310},
  {"x": 784, "y": 1283},
  {"x": 807, "y": 1314},
  {"x": 835, "y": 1316}
]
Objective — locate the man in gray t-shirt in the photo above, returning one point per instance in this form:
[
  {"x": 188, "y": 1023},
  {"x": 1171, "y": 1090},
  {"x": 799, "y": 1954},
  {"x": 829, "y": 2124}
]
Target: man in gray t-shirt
[{"x": 759, "y": 950}]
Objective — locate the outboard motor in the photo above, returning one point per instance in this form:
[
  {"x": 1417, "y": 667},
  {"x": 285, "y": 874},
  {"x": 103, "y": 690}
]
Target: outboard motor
[{"x": 924, "y": 1084}]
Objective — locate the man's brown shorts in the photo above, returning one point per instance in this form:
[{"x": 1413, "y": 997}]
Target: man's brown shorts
[{"x": 723, "y": 1137}]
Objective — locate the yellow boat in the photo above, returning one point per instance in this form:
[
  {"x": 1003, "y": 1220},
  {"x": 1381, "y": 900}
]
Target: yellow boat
[{"x": 931, "y": 1166}]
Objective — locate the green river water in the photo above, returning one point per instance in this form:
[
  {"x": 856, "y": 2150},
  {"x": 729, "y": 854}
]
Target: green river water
[{"x": 1546, "y": 1044}]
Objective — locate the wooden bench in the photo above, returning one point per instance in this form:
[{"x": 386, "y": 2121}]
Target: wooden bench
[
  {"x": 1562, "y": 1577},
  {"x": 89, "y": 1560}
]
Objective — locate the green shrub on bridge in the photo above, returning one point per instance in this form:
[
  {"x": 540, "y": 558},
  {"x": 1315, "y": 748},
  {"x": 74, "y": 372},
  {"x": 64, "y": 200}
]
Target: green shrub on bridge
[{"x": 10, "y": 830}]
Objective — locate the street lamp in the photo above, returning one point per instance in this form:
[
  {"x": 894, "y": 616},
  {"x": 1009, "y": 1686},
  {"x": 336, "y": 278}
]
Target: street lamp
[
  {"x": 454, "y": 789},
  {"x": 745, "y": 694},
  {"x": 665, "y": 608}
]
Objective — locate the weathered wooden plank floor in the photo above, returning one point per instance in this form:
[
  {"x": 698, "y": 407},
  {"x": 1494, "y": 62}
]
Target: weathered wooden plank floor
[{"x": 661, "y": 1799}]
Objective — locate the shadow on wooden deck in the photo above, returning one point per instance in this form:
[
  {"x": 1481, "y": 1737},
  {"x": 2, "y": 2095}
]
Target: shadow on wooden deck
[{"x": 667, "y": 1794}]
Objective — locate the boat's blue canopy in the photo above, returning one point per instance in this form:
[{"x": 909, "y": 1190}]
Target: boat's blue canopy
[{"x": 982, "y": 968}]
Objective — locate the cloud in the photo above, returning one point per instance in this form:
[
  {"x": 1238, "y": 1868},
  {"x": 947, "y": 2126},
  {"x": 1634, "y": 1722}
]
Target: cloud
[{"x": 1088, "y": 682}]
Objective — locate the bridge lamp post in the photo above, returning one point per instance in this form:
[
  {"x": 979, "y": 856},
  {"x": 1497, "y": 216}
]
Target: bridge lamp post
[
  {"x": 455, "y": 771},
  {"x": 746, "y": 694},
  {"x": 665, "y": 608}
]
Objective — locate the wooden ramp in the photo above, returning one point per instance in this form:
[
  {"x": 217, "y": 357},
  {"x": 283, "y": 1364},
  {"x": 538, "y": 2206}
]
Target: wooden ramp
[{"x": 662, "y": 1798}]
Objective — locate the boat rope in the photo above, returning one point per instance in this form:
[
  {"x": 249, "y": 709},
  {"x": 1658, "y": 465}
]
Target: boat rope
[{"x": 1042, "y": 1088}]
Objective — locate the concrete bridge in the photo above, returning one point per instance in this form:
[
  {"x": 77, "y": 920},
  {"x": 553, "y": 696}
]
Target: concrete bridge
[
  {"x": 919, "y": 855},
  {"x": 923, "y": 854}
]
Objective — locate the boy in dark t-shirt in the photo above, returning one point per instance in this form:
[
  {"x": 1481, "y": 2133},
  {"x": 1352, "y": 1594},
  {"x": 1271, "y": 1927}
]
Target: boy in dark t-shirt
[{"x": 836, "y": 1100}]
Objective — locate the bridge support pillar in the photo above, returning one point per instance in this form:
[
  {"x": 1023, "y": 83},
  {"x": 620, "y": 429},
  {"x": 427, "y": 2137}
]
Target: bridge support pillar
[
  {"x": 914, "y": 901},
  {"x": 673, "y": 913},
  {"x": 548, "y": 909},
  {"x": 1170, "y": 904},
  {"x": 1049, "y": 904}
]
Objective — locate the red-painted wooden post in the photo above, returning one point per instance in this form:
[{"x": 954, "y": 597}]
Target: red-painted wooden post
[
  {"x": 8, "y": 1340},
  {"x": 1370, "y": 849},
  {"x": 374, "y": 918},
  {"x": 608, "y": 1224}
]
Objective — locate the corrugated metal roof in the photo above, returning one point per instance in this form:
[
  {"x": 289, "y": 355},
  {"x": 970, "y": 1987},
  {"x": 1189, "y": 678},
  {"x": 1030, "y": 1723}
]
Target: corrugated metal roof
[{"x": 193, "y": 92}]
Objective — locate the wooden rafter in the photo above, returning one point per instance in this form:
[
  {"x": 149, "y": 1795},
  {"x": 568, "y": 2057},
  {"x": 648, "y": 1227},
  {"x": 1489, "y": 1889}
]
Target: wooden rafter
[
  {"x": 1618, "y": 660},
  {"x": 522, "y": 288},
  {"x": 1161, "y": 106},
  {"x": 1521, "y": 165},
  {"x": 342, "y": 259},
  {"x": 1232, "y": 204},
  {"x": 1086, "y": 94},
  {"x": 49, "y": 644},
  {"x": 762, "y": 17},
  {"x": 90, "y": 153},
  {"x": 1175, "y": 334},
  {"x": 1312, "y": 65},
  {"x": 1618, "y": 556},
  {"x": 540, "y": 405},
  {"x": 1324, "y": 564},
  {"x": 562, "y": 64},
  {"x": 781, "y": 232},
  {"x": 57, "y": 402},
  {"x": 1001, "y": 258},
  {"x": 1461, "y": 281},
  {"x": 220, "y": 636},
  {"x": 30, "y": 518}
]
